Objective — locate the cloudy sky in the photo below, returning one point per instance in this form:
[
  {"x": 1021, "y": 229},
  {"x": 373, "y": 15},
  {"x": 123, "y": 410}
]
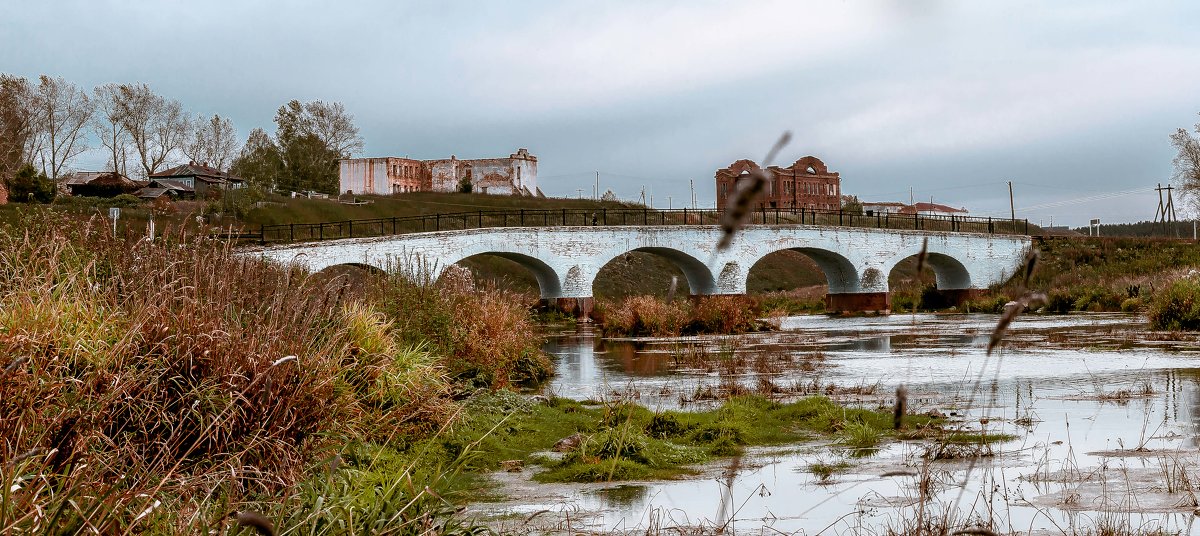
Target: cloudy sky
[{"x": 1072, "y": 101}]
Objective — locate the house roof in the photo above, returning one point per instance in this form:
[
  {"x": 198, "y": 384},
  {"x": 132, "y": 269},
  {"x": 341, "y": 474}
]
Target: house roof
[
  {"x": 82, "y": 177},
  {"x": 97, "y": 178},
  {"x": 150, "y": 193},
  {"x": 200, "y": 171},
  {"x": 170, "y": 184},
  {"x": 935, "y": 207}
]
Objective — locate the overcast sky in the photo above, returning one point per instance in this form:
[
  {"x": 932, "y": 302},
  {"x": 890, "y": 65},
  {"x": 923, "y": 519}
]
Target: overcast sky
[{"x": 1067, "y": 99}]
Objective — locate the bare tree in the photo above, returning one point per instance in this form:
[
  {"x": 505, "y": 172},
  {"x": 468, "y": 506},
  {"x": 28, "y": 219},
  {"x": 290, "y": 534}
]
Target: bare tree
[
  {"x": 108, "y": 126},
  {"x": 1187, "y": 162},
  {"x": 19, "y": 123},
  {"x": 157, "y": 126},
  {"x": 213, "y": 142},
  {"x": 330, "y": 123},
  {"x": 64, "y": 111}
]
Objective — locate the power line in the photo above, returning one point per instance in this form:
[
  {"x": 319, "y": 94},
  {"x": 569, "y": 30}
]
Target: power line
[{"x": 1085, "y": 199}]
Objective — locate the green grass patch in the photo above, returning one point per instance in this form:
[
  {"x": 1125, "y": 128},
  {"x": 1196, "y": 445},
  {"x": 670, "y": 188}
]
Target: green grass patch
[
  {"x": 825, "y": 471},
  {"x": 626, "y": 442},
  {"x": 967, "y": 438}
]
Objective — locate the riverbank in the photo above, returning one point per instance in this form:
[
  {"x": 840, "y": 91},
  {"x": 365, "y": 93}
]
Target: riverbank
[
  {"x": 161, "y": 386},
  {"x": 171, "y": 386}
]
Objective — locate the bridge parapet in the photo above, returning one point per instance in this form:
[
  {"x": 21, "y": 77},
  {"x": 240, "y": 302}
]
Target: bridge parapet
[{"x": 618, "y": 217}]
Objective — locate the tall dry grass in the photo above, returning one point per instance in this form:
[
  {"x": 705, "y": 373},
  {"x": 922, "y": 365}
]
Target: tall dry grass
[
  {"x": 145, "y": 385},
  {"x": 651, "y": 316}
]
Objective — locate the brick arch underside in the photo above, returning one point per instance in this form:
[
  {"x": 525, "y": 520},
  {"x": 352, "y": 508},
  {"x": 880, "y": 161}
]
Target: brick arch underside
[
  {"x": 549, "y": 282},
  {"x": 840, "y": 273},
  {"x": 950, "y": 273},
  {"x": 699, "y": 278},
  {"x": 366, "y": 267}
]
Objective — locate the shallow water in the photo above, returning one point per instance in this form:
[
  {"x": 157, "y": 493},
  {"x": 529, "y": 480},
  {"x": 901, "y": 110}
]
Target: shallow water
[{"x": 1105, "y": 415}]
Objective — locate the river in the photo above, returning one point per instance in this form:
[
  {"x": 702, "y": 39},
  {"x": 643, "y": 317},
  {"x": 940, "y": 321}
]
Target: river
[{"x": 1104, "y": 414}]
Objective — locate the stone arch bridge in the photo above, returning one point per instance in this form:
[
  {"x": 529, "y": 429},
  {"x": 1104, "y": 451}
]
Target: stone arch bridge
[{"x": 565, "y": 260}]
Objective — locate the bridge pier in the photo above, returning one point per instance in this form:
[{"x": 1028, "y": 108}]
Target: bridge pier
[{"x": 858, "y": 302}]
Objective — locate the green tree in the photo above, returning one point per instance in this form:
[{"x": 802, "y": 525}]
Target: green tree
[
  {"x": 851, "y": 204},
  {"x": 260, "y": 162},
  {"x": 464, "y": 184},
  {"x": 312, "y": 137},
  {"x": 303, "y": 155},
  {"x": 19, "y": 122},
  {"x": 29, "y": 186},
  {"x": 308, "y": 164}
]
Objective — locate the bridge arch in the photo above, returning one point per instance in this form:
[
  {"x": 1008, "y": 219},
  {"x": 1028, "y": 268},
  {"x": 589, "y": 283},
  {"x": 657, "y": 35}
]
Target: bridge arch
[
  {"x": 840, "y": 273},
  {"x": 699, "y": 277},
  {"x": 949, "y": 272},
  {"x": 364, "y": 266},
  {"x": 548, "y": 280}
]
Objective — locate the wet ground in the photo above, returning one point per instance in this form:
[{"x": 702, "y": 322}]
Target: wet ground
[{"x": 1104, "y": 413}]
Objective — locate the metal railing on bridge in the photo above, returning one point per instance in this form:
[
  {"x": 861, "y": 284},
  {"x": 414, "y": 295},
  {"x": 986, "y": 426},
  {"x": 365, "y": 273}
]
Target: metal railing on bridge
[{"x": 480, "y": 219}]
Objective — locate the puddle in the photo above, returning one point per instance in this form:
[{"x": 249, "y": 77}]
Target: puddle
[{"x": 1104, "y": 413}]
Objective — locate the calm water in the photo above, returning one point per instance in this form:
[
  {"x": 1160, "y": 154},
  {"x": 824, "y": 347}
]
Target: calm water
[{"x": 1105, "y": 418}]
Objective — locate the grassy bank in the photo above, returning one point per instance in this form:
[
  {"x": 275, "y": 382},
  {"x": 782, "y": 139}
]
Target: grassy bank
[
  {"x": 300, "y": 210},
  {"x": 173, "y": 386},
  {"x": 1076, "y": 273},
  {"x": 622, "y": 441},
  {"x": 161, "y": 386}
]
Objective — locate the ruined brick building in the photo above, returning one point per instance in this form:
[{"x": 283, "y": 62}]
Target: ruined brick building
[
  {"x": 515, "y": 175},
  {"x": 807, "y": 183}
]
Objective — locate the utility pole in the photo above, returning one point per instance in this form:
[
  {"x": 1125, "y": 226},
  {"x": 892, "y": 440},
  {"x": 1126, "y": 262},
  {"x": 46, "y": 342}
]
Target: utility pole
[
  {"x": 910, "y": 196},
  {"x": 1171, "y": 210},
  {"x": 1012, "y": 209},
  {"x": 1165, "y": 212},
  {"x": 596, "y": 189},
  {"x": 692, "y": 185},
  {"x": 670, "y": 203},
  {"x": 580, "y": 190}
]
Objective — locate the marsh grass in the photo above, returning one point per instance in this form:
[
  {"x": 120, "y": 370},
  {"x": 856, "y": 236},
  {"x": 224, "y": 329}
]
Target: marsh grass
[
  {"x": 650, "y": 316},
  {"x": 155, "y": 387},
  {"x": 619, "y": 440}
]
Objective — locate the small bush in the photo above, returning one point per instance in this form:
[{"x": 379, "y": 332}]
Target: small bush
[
  {"x": 1131, "y": 305},
  {"x": 1059, "y": 302},
  {"x": 649, "y": 316},
  {"x": 125, "y": 200},
  {"x": 30, "y": 186},
  {"x": 991, "y": 304},
  {"x": 1177, "y": 308}
]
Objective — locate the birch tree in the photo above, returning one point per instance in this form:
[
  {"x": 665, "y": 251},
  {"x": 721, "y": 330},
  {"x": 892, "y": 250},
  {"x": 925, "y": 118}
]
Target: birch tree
[
  {"x": 330, "y": 123},
  {"x": 109, "y": 127},
  {"x": 158, "y": 128},
  {"x": 1187, "y": 162},
  {"x": 18, "y": 125},
  {"x": 64, "y": 111},
  {"x": 212, "y": 141}
]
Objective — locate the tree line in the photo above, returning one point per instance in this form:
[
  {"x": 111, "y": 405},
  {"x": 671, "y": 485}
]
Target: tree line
[{"x": 47, "y": 123}]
